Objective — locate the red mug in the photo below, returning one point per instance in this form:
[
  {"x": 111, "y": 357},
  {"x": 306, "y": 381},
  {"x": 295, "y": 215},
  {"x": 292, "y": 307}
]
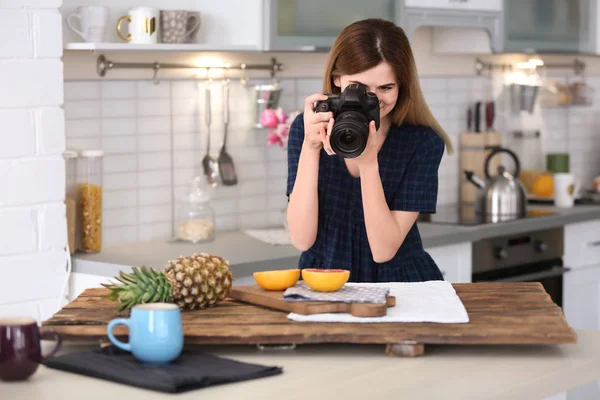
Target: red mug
[{"x": 20, "y": 349}]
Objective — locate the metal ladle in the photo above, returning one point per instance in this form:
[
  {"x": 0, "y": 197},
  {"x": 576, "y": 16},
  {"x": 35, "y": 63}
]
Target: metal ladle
[{"x": 210, "y": 165}]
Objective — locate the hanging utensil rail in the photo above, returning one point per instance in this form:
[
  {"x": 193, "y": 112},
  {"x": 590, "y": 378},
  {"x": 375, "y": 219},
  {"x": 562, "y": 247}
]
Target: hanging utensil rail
[{"x": 103, "y": 65}]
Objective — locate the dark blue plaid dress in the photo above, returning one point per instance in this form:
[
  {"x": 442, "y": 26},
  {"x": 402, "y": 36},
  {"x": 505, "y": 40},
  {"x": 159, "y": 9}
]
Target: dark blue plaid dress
[{"x": 408, "y": 166}]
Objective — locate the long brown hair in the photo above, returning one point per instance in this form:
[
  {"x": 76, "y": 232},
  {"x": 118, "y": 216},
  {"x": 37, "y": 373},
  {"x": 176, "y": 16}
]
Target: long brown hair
[{"x": 364, "y": 44}]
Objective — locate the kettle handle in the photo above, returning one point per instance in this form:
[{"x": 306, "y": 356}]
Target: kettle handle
[{"x": 501, "y": 150}]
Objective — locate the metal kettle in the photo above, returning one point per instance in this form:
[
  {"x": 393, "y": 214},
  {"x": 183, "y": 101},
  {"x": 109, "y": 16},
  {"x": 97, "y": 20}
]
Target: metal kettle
[{"x": 503, "y": 196}]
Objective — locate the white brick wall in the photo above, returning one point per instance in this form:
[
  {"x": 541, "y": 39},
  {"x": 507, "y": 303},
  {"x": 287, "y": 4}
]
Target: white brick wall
[{"x": 32, "y": 135}]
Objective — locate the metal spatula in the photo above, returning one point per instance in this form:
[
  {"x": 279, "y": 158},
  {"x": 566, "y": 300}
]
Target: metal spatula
[
  {"x": 210, "y": 165},
  {"x": 226, "y": 166}
]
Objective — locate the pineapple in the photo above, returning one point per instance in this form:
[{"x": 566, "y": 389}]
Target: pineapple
[{"x": 192, "y": 282}]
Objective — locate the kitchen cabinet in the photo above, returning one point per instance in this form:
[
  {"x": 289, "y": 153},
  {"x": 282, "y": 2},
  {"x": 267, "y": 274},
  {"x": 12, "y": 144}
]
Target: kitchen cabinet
[
  {"x": 454, "y": 261},
  {"x": 313, "y": 25},
  {"x": 549, "y": 26}
]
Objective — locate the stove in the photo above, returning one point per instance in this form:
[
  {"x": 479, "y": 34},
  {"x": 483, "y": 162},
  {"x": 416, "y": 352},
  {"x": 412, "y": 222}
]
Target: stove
[{"x": 464, "y": 214}]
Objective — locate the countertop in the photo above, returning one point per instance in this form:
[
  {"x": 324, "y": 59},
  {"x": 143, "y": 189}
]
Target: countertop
[
  {"x": 482, "y": 372},
  {"x": 247, "y": 254}
]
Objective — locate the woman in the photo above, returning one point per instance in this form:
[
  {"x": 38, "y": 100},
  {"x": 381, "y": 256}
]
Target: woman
[{"x": 359, "y": 213}]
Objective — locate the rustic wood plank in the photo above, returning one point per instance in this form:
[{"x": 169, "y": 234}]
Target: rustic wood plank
[{"x": 500, "y": 313}]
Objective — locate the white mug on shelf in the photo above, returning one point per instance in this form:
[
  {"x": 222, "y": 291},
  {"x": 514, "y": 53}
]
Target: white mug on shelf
[
  {"x": 93, "y": 21},
  {"x": 144, "y": 25},
  {"x": 566, "y": 188}
]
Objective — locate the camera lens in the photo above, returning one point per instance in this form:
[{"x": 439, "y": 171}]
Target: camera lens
[{"x": 349, "y": 134}]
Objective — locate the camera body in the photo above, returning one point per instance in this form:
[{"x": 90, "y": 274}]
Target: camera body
[{"x": 352, "y": 110}]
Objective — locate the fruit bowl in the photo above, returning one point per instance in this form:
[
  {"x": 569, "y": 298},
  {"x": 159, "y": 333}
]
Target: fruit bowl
[
  {"x": 325, "y": 280},
  {"x": 278, "y": 279}
]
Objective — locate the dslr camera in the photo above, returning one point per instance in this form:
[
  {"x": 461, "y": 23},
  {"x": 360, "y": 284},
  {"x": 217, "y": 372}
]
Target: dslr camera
[{"x": 352, "y": 110}]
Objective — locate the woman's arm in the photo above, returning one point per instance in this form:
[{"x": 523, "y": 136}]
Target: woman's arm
[
  {"x": 303, "y": 208},
  {"x": 386, "y": 230}
]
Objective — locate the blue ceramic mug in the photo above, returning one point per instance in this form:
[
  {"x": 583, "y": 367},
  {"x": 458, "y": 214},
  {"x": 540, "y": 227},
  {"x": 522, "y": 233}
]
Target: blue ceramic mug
[{"x": 155, "y": 332}]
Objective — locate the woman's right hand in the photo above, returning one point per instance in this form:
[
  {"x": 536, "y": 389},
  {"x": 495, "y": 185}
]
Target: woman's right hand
[{"x": 317, "y": 125}]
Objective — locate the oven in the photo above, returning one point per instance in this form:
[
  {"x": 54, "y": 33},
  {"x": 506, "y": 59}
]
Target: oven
[{"x": 534, "y": 256}]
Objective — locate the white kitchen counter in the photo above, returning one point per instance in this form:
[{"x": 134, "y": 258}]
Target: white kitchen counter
[{"x": 362, "y": 372}]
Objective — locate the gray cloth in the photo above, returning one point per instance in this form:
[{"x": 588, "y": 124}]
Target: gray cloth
[{"x": 347, "y": 294}]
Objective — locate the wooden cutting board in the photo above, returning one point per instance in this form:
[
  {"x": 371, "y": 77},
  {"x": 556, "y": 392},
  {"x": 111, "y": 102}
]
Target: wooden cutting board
[
  {"x": 508, "y": 313},
  {"x": 254, "y": 294}
]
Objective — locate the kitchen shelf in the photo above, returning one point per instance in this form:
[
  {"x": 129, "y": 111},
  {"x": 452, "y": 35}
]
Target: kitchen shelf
[{"x": 157, "y": 47}]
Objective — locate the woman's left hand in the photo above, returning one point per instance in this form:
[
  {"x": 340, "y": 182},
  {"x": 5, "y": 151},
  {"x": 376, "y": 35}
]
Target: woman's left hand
[{"x": 369, "y": 155}]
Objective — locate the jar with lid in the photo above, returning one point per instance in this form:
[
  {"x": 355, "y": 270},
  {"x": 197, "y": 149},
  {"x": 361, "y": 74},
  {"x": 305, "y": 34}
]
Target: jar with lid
[
  {"x": 89, "y": 173},
  {"x": 70, "y": 157},
  {"x": 195, "y": 218}
]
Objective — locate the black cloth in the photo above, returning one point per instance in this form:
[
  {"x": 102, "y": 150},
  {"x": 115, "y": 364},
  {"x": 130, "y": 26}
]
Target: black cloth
[{"x": 188, "y": 372}]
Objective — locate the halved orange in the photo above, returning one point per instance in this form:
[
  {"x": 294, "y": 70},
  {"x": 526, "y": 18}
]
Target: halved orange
[
  {"x": 278, "y": 279},
  {"x": 325, "y": 280}
]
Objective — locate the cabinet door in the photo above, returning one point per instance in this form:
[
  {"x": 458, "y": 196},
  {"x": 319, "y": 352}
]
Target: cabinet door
[
  {"x": 548, "y": 25},
  {"x": 314, "y": 24},
  {"x": 581, "y": 292},
  {"x": 479, "y": 5},
  {"x": 454, "y": 261}
]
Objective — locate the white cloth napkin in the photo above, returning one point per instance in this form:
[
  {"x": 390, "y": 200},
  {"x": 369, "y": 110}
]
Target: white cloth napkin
[
  {"x": 431, "y": 301},
  {"x": 275, "y": 236}
]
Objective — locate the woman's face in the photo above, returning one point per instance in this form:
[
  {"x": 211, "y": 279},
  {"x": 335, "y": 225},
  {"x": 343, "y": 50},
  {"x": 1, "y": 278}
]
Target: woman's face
[{"x": 380, "y": 80}]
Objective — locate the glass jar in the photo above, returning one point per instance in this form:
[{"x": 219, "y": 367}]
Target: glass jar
[
  {"x": 89, "y": 173},
  {"x": 70, "y": 157},
  {"x": 195, "y": 219}
]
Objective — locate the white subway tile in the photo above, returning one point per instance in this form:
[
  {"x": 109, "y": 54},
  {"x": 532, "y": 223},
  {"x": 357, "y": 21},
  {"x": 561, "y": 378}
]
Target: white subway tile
[
  {"x": 154, "y": 143},
  {"x": 32, "y": 181},
  {"x": 275, "y": 218},
  {"x": 186, "y": 142},
  {"x": 14, "y": 24},
  {"x": 119, "y": 199},
  {"x": 119, "y": 163},
  {"x": 160, "y": 230},
  {"x": 118, "y": 108},
  {"x": 119, "y": 217},
  {"x": 183, "y": 124},
  {"x": 154, "y": 179},
  {"x": 187, "y": 159},
  {"x": 184, "y": 176},
  {"x": 251, "y": 171},
  {"x": 31, "y": 3},
  {"x": 277, "y": 169},
  {"x": 226, "y": 192},
  {"x": 276, "y": 202},
  {"x": 119, "y": 235},
  {"x": 153, "y": 125},
  {"x": 29, "y": 309},
  {"x": 118, "y": 126},
  {"x": 253, "y": 203},
  {"x": 31, "y": 83},
  {"x": 82, "y": 90},
  {"x": 47, "y": 28},
  {"x": 226, "y": 206},
  {"x": 50, "y": 131},
  {"x": 153, "y": 161},
  {"x": 18, "y": 134},
  {"x": 251, "y": 187},
  {"x": 53, "y": 223},
  {"x": 19, "y": 232},
  {"x": 459, "y": 84},
  {"x": 277, "y": 185},
  {"x": 185, "y": 89},
  {"x": 253, "y": 220},
  {"x": 276, "y": 153},
  {"x": 436, "y": 98},
  {"x": 307, "y": 86},
  {"x": 226, "y": 223},
  {"x": 82, "y": 128},
  {"x": 118, "y": 90},
  {"x": 119, "y": 145},
  {"x": 76, "y": 109},
  {"x": 153, "y": 107},
  {"x": 149, "y": 90},
  {"x": 84, "y": 143},
  {"x": 434, "y": 84},
  {"x": 44, "y": 273},
  {"x": 189, "y": 107},
  {"x": 155, "y": 196},
  {"x": 157, "y": 213},
  {"x": 248, "y": 154},
  {"x": 120, "y": 181}
]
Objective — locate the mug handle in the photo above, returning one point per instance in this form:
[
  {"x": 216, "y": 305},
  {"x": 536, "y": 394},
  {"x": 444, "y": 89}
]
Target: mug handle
[
  {"x": 70, "y": 24},
  {"x": 195, "y": 17},
  {"x": 119, "y": 22},
  {"x": 47, "y": 334},
  {"x": 112, "y": 338}
]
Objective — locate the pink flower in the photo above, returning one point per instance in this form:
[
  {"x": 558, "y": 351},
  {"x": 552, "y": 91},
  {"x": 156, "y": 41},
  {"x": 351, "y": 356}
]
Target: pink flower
[
  {"x": 268, "y": 118},
  {"x": 280, "y": 115},
  {"x": 273, "y": 139}
]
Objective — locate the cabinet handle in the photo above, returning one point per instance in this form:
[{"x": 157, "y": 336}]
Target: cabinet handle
[{"x": 594, "y": 244}]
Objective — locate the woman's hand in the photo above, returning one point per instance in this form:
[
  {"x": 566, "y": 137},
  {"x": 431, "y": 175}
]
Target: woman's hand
[
  {"x": 317, "y": 125},
  {"x": 369, "y": 156}
]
